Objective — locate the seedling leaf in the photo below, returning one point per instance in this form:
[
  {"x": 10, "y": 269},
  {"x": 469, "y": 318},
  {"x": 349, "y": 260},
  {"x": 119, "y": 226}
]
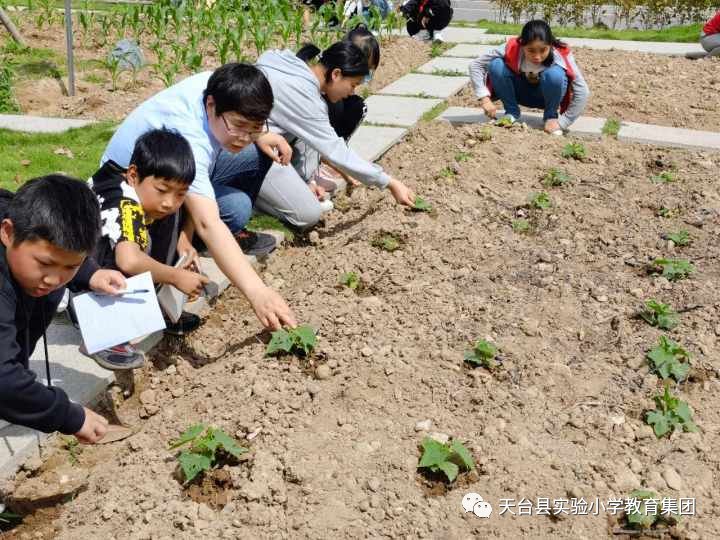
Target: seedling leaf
[
  {"x": 351, "y": 280},
  {"x": 279, "y": 342},
  {"x": 540, "y": 200},
  {"x": 521, "y": 225},
  {"x": 671, "y": 414},
  {"x": 190, "y": 434},
  {"x": 680, "y": 238},
  {"x": 421, "y": 205},
  {"x": 304, "y": 338},
  {"x": 556, "y": 177},
  {"x": 463, "y": 453},
  {"x": 674, "y": 269},
  {"x": 660, "y": 315},
  {"x": 193, "y": 464},
  {"x": 229, "y": 444},
  {"x": 434, "y": 453},
  {"x": 450, "y": 469},
  {"x": 574, "y": 151},
  {"x": 667, "y": 359},
  {"x": 483, "y": 354}
]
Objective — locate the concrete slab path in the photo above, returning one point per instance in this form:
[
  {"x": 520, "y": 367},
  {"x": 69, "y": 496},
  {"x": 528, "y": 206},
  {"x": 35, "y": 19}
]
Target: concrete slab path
[
  {"x": 397, "y": 111},
  {"x": 39, "y": 124},
  {"x": 371, "y": 142},
  {"x": 414, "y": 84}
]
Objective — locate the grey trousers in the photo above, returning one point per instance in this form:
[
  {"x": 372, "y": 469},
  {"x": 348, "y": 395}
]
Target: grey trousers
[
  {"x": 711, "y": 43},
  {"x": 285, "y": 195}
]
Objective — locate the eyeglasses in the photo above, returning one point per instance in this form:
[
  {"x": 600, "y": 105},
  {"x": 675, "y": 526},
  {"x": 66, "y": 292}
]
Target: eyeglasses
[
  {"x": 239, "y": 132},
  {"x": 368, "y": 77}
]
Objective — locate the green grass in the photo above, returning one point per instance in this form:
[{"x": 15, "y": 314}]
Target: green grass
[
  {"x": 436, "y": 111},
  {"x": 30, "y": 63},
  {"x": 611, "y": 127},
  {"x": 685, "y": 34},
  {"x": 37, "y": 151},
  {"x": 260, "y": 222}
]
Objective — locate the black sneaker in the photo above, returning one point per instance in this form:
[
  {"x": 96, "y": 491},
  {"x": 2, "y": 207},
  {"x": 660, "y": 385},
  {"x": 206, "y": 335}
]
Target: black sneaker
[
  {"x": 256, "y": 243},
  {"x": 118, "y": 358},
  {"x": 186, "y": 324}
]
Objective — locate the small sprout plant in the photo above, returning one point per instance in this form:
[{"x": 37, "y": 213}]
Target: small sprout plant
[
  {"x": 521, "y": 226},
  {"x": 299, "y": 341},
  {"x": 462, "y": 157},
  {"x": 646, "y": 509},
  {"x": 351, "y": 280},
  {"x": 671, "y": 414},
  {"x": 483, "y": 354},
  {"x": 661, "y": 315},
  {"x": 669, "y": 359},
  {"x": 674, "y": 269},
  {"x": 203, "y": 451},
  {"x": 386, "y": 241},
  {"x": 574, "y": 151},
  {"x": 450, "y": 459},
  {"x": 541, "y": 201},
  {"x": 665, "y": 177},
  {"x": 666, "y": 212},
  {"x": 680, "y": 238},
  {"x": 72, "y": 445},
  {"x": 505, "y": 121},
  {"x": 556, "y": 178},
  {"x": 611, "y": 127},
  {"x": 421, "y": 205}
]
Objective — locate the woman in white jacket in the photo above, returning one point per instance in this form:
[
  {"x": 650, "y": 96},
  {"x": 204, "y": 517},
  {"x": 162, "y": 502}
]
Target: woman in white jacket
[{"x": 300, "y": 114}]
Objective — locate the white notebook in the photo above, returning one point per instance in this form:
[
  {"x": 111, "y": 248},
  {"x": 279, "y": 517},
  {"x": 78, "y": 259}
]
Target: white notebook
[{"x": 106, "y": 321}]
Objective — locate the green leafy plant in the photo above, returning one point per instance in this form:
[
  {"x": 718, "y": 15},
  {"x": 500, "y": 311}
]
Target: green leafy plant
[
  {"x": 450, "y": 458},
  {"x": 574, "y": 151},
  {"x": 298, "y": 341},
  {"x": 644, "y": 515},
  {"x": 671, "y": 414},
  {"x": 447, "y": 172},
  {"x": 680, "y": 238},
  {"x": 351, "y": 280},
  {"x": 421, "y": 205},
  {"x": 72, "y": 445},
  {"x": 485, "y": 134},
  {"x": 541, "y": 201},
  {"x": 674, "y": 269},
  {"x": 669, "y": 359},
  {"x": 664, "y": 177},
  {"x": 505, "y": 122},
  {"x": 386, "y": 241},
  {"x": 556, "y": 177},
  {"x": 462, "y": 157},
  {"x": 660, "y": 315},
  {"x": 202, "y": 453},
  {"x": 666, "y": 212},
  {"x": 483, "y": 354},
  {"x": 8, "y": 104},
  {"x": 521, "y": 225},
  {"x": 611, "y": 127}
]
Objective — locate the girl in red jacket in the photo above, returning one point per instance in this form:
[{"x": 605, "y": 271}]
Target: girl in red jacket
[{"x": 710, "y": 37}]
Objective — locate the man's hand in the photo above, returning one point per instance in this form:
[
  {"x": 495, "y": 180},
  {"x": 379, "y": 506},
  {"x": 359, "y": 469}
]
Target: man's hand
[
  {"x": 93, "y": 429},
  {"x": 271, "y": 309},
  {"x": 488, "y": 106},
  {"x": 191, "y": 283},
  {"x": 402, "y": 193},
  {"x": 185, "y": 247},
  {"x": 276, "y": 147},
  {"x": 108, "y": 282},
  {"x": 552, "y": 126}
]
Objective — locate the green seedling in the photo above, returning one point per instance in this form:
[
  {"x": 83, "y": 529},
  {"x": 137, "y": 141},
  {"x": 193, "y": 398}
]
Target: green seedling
[
  {"x": 448, "y": 458},
  {"x": 645, "y": 515},
  {"x": 669, "y": 359},
  {"x": 421, "y": 205},
  {"x": 485, "y": 134},
  {"x": 661, "y": 315},
  {"x": 574, "y": 151},
  {"x": 299, "y": 341},
  {"x": 462, "y": 157},
  {"x": 555, "y": 178},
  {"x": 505, "y": 121},
  {"x": 386, "y": 241},
  {"x": 202, "y": 454},
  {"x": 483, "y": 354},
  {"x": 447, "y": 172},
  {"x": 541, "y": 201},
  {"x": 680, "y": 238},
  {"x": 671, "y": 414},
  {"x": 521, "y": 226},
  {"x": 72, "y": 445},
  {"x": 665, "y": 177},
  {"x": 674, "y": 269},
  {"x": 611, "y": 127},
  {"x": 351, "y": 280},
  {"x": 666, "y": 212}
]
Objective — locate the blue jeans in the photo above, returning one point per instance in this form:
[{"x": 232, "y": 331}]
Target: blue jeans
[
  {"x": 237, "y": 179},
  {"x": 515, "y": 90}
]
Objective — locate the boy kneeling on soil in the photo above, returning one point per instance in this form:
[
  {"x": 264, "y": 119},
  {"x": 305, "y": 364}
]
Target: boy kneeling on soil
[
  {"x": 535, "y": 70},
  {"x": 140, "y": 209},
  {"x": 47, "y": 230}
]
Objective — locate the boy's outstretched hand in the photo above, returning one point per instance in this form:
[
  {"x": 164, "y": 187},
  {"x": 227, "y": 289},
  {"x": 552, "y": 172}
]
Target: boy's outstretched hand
[
  {"x": 93, "y": 429},
  {"x": 108, "y": 282},
  {"x": 275, "y": 146},
  {"x": 191, "y": 283},
  {"x": 271, "y": 309},
  {"x": 402, "y": 193}
]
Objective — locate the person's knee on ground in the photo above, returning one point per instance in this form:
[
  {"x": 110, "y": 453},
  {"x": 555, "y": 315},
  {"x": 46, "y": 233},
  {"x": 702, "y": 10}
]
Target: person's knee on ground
[{"x": 553, "y": 85}]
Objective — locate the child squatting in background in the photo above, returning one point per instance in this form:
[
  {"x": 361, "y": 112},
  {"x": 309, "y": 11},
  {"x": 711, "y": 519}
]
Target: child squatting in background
[{"x": 535, "y": 70}]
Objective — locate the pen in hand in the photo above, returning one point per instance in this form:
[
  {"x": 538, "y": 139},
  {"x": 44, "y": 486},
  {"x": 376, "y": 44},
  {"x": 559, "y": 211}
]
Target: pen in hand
[{"x": 122, "y": 293}]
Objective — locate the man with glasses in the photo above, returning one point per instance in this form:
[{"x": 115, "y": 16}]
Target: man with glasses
[{"x": 222, "y": 110}]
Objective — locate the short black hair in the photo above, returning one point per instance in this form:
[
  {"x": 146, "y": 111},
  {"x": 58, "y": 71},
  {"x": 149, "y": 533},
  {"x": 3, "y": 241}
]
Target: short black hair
[
  {"x": 164, "y": 153},
  {"x": 367, "y": 42},
  {"x": 342, "y": 55},
  {"x": 62, "y": 210},
  {"x": 241, "y": 88}
]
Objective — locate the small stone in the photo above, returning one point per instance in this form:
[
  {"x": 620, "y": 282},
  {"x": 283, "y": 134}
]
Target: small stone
[
  {"x": 177, "y": 391},
  {"x": 635, "y": 465},
  {"x": 637, "y": 293},
  {"x": 323, "y": 372},
  {"x": 626, "y": 479},
  {"x": 423, "y": 425},
  {"x": 152, "y": 410},
  {"x": 313, "y": 389},
  {"x": 531, "y": 327},
  {"x": 366, "y": 352},
  {"x": 644, "y": 432},
  {"x": 602, "y": 298},
  {"x": 672, "y": 479},
  {"x": 148, "y": 397},
  {"x": 32, "y": 464},
  {"x": 206, "y": 513},
  {"x": 378, "y": 514},
  {"x": 314, "y": 237},
  {"x": 442, "y": 438},
  {"x": 171, "y": 370},
  {"x": 364, "y": 506},
  {"x": 373, "y": 485}
]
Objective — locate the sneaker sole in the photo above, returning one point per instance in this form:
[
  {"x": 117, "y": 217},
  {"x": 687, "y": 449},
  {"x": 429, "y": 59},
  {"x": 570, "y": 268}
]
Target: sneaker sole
[{"x": 113, "y": 367}]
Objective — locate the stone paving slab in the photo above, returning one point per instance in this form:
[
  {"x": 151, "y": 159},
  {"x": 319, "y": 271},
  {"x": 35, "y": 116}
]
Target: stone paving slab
[
  {"x": 669, "y": 136},
  {"x": 371, "y": 142},
  {"x": 413, "y": 84},
  {"x": 78, "y": 375},
  {"x": 397, "y": 111},
  {"x": 468, "y": 50},
  {"x": 456, "y": 34},
  {"x": 446, "y": 64},
  {"x": 678, "y": 49},
  {"x": 585, "y": 126},
  {"x": 39, "y": 124}
]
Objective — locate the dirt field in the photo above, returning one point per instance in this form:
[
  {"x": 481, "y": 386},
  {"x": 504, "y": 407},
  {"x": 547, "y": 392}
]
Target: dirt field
[
  {"x": 647, "y": 88},
  {"x": 561, "y": 418}
]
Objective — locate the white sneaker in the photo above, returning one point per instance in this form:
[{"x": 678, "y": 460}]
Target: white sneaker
[
  {"x": 326, "y": 206},
  {"x": 437, "y": 36},
  {"x": 422, "y": 35}
]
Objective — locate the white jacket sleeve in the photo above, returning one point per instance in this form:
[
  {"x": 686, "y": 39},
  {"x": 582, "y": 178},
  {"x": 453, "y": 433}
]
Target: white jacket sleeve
[
  {"x": 479, "y": 71},
  {"x": 581, "y": 93}
]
